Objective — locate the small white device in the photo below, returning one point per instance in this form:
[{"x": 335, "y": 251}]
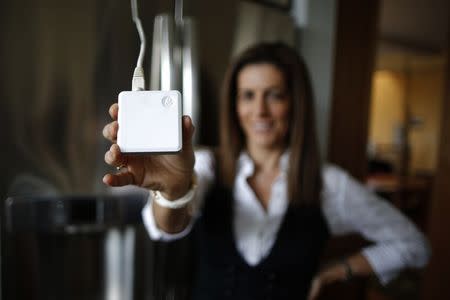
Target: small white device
[{"x": 150, "y": 122}]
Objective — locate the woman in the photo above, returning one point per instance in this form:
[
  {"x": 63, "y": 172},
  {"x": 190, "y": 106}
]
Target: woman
[{"x": 264, "y": 206}]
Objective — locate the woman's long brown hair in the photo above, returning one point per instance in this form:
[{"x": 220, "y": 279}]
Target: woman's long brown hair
[{"x": 304, "y": 174}]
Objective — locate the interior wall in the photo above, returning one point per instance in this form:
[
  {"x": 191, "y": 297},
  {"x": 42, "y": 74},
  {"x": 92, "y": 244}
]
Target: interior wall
[
  {"x": 317, "y": 45},
  {"x": 48, "y": 83},
  {"x": 259, "y": 23},
  {"x": 387, "y": 113},
  {"x": 386, "y": 109},
  {"x": 426, "y": 104}
]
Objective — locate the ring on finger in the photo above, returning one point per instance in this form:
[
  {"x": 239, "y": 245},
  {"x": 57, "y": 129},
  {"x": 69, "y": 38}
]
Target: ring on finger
[{"x": 120, "y": 167}]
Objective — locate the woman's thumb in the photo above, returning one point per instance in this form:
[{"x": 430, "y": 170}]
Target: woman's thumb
[{"x": 188, "y": 131}]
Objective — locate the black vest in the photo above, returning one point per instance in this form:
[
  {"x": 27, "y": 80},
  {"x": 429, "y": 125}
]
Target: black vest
[{"x": 287, "y": 271}]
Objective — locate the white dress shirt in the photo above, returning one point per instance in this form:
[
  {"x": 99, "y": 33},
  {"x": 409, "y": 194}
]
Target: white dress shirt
[{"x": 347, "y": 206}]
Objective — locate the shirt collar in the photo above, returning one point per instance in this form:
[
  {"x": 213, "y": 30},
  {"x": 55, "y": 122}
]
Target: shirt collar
[
  {"x": 246, "y": 166},
  {"x": 284, "y": 161}
]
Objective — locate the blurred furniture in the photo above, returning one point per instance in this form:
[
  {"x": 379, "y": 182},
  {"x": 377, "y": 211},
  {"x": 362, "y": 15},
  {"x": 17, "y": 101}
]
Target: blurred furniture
[
  {"x": 79, "y": 247},
  {"x": 90, "y": 248},
  {"x": 410, "y": 194},
  {"x": 377, "y": 165}
]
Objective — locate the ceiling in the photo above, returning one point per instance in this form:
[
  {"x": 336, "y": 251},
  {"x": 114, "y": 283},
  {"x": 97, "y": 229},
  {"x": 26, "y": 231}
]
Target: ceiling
[
  {"x": 420, "y": 23},
  {"x": 413, "y": 30}
]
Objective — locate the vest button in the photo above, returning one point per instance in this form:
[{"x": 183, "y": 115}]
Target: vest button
[
  {"x": 231, "y": 269},
  {"x": 228, "y": 293},
  {"x": 271, "y": 276}
]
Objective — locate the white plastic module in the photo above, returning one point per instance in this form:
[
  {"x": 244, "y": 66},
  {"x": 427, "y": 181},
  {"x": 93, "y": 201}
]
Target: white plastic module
[{"x": 150, "y": 122}]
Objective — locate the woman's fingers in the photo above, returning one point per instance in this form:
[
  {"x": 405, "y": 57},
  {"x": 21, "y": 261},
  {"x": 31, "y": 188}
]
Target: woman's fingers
[
  {"x": 114, "y": 157},
  {"x": 119, "y": 179},
  {"x": 114, "y": 111},
  {"x": 110, "y": 131},
  {"x": 188, "y": 131},
  {"x": 127, "y": 178}
]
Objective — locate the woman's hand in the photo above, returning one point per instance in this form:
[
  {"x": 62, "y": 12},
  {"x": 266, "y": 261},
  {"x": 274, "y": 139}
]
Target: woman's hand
[
  {"x": 170, "y": 174},
  {"x": 327, "y": 276},
  {"x": 357, "y": 265}
]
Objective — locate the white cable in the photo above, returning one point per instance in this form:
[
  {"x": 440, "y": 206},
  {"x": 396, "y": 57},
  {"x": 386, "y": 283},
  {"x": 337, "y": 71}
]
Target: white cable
[
  {"x": 137, "y": 21},
  {"x": 138, "y": 82}
]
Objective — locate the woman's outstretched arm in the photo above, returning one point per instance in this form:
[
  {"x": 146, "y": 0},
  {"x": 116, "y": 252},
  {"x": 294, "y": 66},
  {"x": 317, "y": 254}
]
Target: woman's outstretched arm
[{"x": 169, "y": 174}]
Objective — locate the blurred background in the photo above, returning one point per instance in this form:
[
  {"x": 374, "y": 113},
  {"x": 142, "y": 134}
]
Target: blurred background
[{"x": 380, "y": 72}]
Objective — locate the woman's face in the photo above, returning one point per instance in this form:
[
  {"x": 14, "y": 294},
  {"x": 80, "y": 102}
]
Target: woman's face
[{"x": 263, "y": 105}]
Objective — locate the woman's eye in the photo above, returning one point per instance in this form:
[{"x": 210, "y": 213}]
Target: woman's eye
[
  {"x": 246, "y": 95},
  {"x": 276, "y": 95}
]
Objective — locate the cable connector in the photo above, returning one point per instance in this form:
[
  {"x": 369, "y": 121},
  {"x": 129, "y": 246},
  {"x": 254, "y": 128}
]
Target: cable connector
[{"x": 138, "y": 83}]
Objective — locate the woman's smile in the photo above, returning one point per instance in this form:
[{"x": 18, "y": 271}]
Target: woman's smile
[{"x": 262, "y": 126}]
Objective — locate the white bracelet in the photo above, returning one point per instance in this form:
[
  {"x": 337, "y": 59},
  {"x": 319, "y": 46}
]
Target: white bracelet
[
  {"x": 180, "y": 202},
  {"x": 173, "y": 204}
]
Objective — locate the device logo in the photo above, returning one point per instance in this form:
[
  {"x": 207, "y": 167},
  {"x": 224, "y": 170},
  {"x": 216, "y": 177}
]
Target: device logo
[{"x": 167, "y": 101}]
